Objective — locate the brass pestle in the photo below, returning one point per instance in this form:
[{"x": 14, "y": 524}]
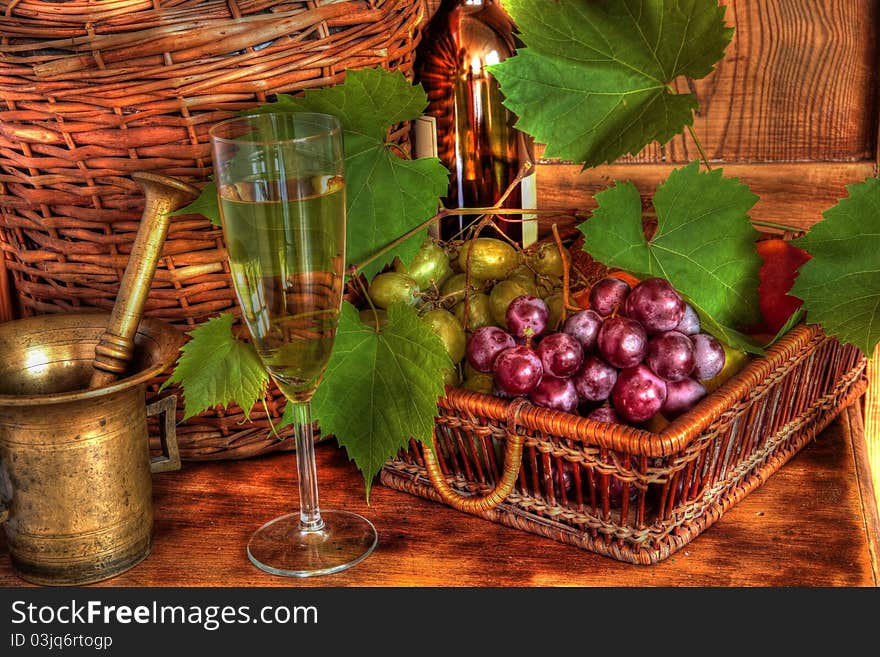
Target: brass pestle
[{"x": 114, "y": 351}]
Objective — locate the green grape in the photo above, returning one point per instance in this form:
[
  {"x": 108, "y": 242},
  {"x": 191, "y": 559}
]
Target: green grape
[
  {"x": 451, "y": 377},
  {"x": 479, "y": 383},
  {"x": 523, "y": 273},
  {"x": 469, "y": 371},
  {"x": 392, "y": 287},
  {"x": 454, "y": 287},
  {"x": 430, "y": 266},
  {"x": 491, "y": 259},
  {"x": 444, "y": 324},
  {"x": 548, "y": 285},
  {"x": 479, "y": 311},
  {"x": 554, "y": 303},
  {"x": 547, "y": 260},
  {"x": 375, "y": 319}
]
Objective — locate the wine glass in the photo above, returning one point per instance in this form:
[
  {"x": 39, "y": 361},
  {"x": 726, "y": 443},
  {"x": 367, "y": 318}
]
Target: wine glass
[{"x": 281, "y": 188}]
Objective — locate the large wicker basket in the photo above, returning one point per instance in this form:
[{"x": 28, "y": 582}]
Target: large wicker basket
[
  {"x": 95, "y": 91},
  {"x": 624, "y": 492}
]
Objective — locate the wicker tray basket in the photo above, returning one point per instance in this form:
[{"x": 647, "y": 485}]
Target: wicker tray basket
[
  {"x": 623, "y": 492},
  {"x": 92, "y": 92}
]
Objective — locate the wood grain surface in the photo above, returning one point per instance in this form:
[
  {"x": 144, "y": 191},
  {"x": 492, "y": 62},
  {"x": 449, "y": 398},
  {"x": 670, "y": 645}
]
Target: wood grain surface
[
  {"x": 791, "y": 194},
  {"x": 797, "y": 83},
  {"x": 804, "y": 527}
]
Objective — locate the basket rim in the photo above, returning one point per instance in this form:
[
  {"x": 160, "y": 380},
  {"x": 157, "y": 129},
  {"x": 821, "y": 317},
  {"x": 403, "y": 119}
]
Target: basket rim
[{"x": 628, "y": 439}]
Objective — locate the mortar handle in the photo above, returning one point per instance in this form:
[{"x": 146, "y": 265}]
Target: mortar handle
[
  {"x": 163, "y": 195},
  {"x": 170, "y": 459}
]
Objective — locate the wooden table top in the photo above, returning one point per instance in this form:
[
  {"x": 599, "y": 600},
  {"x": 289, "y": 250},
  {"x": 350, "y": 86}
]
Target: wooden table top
[{"x": 808, "y": 525}]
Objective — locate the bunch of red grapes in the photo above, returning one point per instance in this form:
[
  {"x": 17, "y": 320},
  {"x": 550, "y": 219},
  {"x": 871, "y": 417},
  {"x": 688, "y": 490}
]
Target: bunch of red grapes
[{"x": 636, "y": 352}]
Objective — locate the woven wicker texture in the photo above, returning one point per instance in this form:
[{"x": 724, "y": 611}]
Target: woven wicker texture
[
  {"x": 627, "y": 493},
  {"x": 94, "y": 91}
]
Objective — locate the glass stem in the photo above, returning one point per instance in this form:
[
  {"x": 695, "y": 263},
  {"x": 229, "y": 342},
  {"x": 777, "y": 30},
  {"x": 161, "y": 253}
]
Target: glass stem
[{"x": 309, "y": 512}]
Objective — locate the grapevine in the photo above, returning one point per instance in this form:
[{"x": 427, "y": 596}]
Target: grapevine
[{"x": 482, "y": 313}]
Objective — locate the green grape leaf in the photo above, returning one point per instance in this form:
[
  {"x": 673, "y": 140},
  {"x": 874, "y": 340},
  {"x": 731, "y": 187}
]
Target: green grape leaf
[
  {"x": 796, "y": 318},
  {"x": 205, "y": 205},
  {"x": 367, "y": 103},
  {"x": 381, "y": 389},
  {"x": 215, "y": 369},
  {"x": 840, "y": 284},
  {"x": 387, "y": 195},
  {"x": 593, "y": 81},
  {"x": 704, "y": 245}
]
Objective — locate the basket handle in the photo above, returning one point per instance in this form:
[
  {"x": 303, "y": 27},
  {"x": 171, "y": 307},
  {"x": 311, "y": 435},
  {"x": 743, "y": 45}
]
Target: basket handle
[{"x": 512, "y": 462}]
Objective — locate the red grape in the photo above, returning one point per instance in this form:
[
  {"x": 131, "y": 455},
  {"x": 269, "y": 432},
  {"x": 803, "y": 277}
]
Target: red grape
[
  {"x": 604, "y": 414},
  {"x": 595, "y": 379},
  {"x": 681, "y": 396},
  {"x": 690, "y": 322},
  {"x": 608, "y": 295},
  {"x": 498, "y": 391},
  {"x": 555, "y": 393},
  {"x": 656, "y": 305},
  {"x": 638, "y": 394},
  {"x": 622, "y": 342},
  {"x": 561, "y": 355},
  {"x": 708, "y": 356},
  {"x": 527, "y": 316},
  {"x": 485, "y": 345},
  {"x": 518, "y": 370},
  {"x": 671, "y": 355},
  {"x": 584, "y": 326}
]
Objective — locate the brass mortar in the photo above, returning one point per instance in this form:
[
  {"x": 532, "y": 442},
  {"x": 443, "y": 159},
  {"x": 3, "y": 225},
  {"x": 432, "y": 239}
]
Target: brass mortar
[
  {"x": 74, "y": 462},
  {"x": 75, "y": 485}
]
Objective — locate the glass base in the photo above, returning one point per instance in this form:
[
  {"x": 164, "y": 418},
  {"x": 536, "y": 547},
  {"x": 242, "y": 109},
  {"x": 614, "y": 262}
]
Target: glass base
[{"x": 281, "y": 547}]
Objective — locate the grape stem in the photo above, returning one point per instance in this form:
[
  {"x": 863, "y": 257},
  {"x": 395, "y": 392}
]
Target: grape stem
[
  {"x": 269, "y": 418},
  {"x": 445, "y": 212},
  {"x": 502, "y": 212},
  {"x": 397, "y": 148},
  {"x": 756, "y": 222},
  {"x": 369, "y": 301},
  {"x": 525, "y": 171},
  {"x": 467, "y": 290},
  {"x": 693, "y": 134},
  {"x": 566, "y": 278},
  {"x": 776, "y": 226}
]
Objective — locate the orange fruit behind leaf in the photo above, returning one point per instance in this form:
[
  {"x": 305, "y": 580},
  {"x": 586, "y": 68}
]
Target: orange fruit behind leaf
[
  {"x": 625, "y": 276},
  {"x": 581, "y": 298},
  {"x": 781, "y": 262}
]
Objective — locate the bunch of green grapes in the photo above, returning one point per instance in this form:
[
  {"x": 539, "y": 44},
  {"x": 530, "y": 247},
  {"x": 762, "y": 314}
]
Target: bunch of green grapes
[{"x": 463, "y": 288}]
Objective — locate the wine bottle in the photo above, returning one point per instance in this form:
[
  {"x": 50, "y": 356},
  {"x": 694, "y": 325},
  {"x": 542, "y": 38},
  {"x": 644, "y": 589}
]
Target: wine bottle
[{"x": 475, "y": 134}]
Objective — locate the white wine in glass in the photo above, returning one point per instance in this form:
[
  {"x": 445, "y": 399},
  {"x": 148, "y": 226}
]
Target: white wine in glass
[{"x": 281, "y": 188}]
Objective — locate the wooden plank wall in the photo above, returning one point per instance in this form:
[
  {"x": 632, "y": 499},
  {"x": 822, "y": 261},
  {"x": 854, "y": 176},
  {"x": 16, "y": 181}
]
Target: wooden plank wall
[{"x": 791, "y": 110}]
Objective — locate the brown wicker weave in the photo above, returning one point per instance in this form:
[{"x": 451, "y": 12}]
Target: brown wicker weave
[
  {"x": 93, "y": 91},
  {"x": 624, "y": 492}
]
